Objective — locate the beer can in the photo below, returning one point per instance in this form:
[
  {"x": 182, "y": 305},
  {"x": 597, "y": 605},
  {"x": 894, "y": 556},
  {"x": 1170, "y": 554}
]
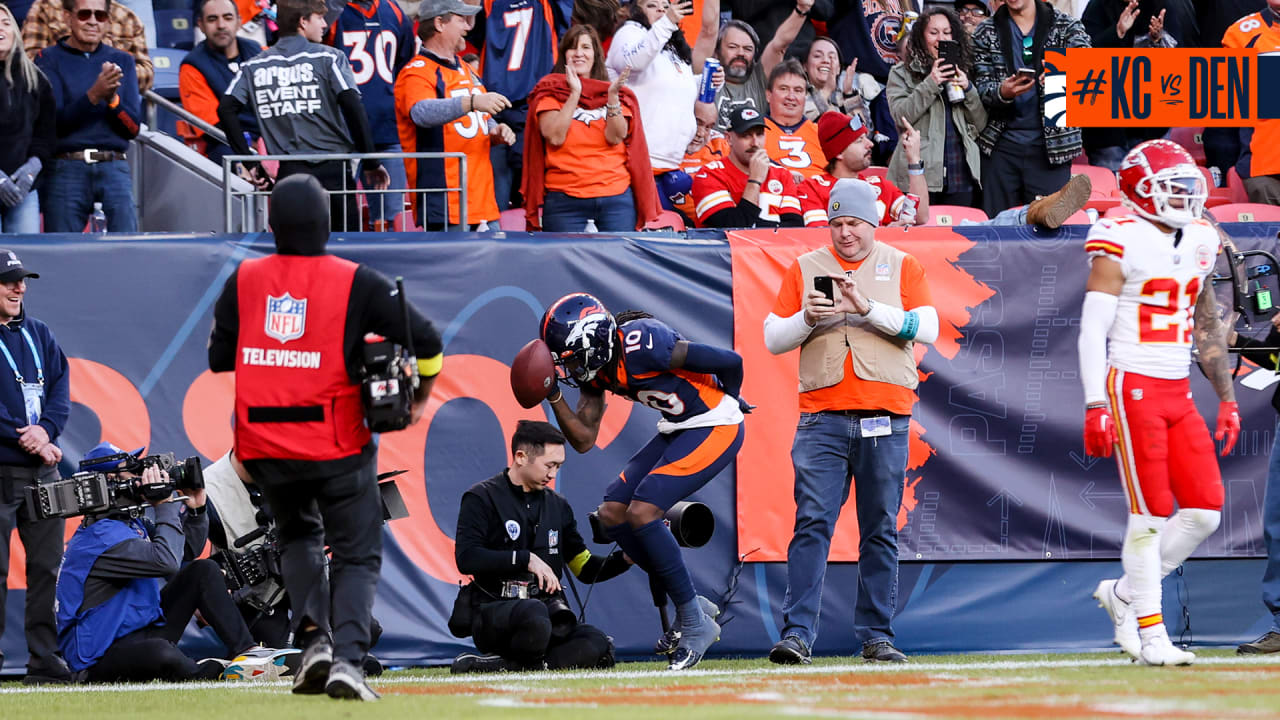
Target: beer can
[
  {"x": 910, "y": 203},
  {"x": 707, "y": 93}
]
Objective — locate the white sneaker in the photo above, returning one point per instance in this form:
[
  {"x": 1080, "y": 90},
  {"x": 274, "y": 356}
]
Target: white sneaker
[
  {"x": 1122, "y": 616},
  {"x": 260, "y": 663},
  {"x": 1157, "y": 650}
]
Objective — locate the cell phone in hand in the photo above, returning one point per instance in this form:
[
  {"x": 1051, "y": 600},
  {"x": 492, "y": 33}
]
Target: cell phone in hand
[
  {"x": 1027, "y": 73},
  {"x": 825, "y": 284},
  {"x": 949, "y": 52}
]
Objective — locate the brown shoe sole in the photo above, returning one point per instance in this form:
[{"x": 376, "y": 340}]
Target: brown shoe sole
[{"x": 1054, "y": 209}]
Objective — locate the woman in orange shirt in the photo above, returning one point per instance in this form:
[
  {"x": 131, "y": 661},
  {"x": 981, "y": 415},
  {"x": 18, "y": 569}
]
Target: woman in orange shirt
[{"x": 586, "y": 159}]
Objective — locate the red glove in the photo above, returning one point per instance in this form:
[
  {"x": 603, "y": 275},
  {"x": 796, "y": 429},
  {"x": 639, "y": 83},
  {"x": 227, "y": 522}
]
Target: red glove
[
  {"x": 1099, "y": 431},
  {"x": 1228, "y": 425}
]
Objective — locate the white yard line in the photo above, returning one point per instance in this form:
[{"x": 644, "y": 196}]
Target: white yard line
[{"x": 533, "y": 679}]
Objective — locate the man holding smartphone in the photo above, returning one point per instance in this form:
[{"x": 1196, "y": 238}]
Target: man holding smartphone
[
  {"x": 1024, "y": 157},
  {"x": 857, "y": 386}
]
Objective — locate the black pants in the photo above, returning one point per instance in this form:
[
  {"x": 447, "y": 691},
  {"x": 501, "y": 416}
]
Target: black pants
[
  {"x": 42, "y": 540},
  {"x": 1015, "y": 174},
  {"x": 344, "y": 210},
  {"x": 520, "y": 631},
  {"x": 152, "y": 653},
  {"x": 343, "y": 509}
]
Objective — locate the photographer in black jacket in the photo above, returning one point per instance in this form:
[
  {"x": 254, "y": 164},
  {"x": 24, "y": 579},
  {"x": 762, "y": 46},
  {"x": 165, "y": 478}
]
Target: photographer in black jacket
[{"x": 516, "y": 536}]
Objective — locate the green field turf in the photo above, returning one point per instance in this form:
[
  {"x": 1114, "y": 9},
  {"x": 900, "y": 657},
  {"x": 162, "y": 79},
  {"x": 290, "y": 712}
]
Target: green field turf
[{"x": 1220, "y": 685}]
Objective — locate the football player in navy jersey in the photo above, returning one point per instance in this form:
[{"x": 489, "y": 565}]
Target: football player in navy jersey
[
  {"x": 378, "y": 40},
  {"x": 519, "y": 48},
  {"x": 695, "y": 387}
]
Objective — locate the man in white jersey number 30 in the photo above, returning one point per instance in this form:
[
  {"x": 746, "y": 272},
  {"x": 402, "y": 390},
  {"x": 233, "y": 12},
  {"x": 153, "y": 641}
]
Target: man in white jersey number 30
[{"x": 1149, "y": 296}]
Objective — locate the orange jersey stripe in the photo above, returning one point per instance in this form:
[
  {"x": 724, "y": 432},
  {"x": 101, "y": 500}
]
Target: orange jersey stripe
[
  {"x": 1105, "y": 246},
  {"x": 707, "y": 453}
]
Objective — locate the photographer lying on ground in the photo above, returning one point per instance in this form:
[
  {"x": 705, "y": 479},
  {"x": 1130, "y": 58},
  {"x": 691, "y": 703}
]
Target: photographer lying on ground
[
  {"x": 118, "y": 620},
  {"x": 516, "y": 536}
]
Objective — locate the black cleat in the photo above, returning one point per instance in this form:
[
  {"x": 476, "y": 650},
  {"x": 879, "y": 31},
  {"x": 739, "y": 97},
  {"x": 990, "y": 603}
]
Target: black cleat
[{"x": 790, "y": 650}]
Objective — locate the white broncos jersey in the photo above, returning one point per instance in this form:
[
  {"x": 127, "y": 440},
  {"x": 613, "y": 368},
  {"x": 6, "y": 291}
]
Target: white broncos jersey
[{"x": 1163, "y": 277}]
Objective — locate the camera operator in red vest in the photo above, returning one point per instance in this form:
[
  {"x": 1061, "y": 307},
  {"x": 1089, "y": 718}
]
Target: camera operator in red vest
[{"x": 292, "y": 326}]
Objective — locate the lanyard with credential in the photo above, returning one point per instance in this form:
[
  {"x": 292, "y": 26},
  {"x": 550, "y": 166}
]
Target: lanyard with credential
[{"x": 17, "y": 374}]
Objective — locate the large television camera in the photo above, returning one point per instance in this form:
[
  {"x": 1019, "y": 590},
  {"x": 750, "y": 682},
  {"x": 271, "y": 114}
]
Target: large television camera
[{"x": 87, "y": 493}]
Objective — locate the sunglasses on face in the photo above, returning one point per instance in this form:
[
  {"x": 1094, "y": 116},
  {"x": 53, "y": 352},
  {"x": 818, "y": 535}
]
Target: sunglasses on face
[{"x": 85, "y": 14}]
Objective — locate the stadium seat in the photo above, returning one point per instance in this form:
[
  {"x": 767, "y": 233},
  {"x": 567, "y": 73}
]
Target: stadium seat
[
  {"x": 666, "y": 220},
  {"x": 1235, "y": 187},
  {"x": 945, "y": 215},
  {"x": 1191, "y": 138},
  {"x": 1246, "y": 212},
  {"x": 1104, "y": 181},
  {"x": 174, "y": 29},
  {"x": 1217, "y": 196},
  {"x": 512, "y": 220},
  {"x": 1118, "y": 211},
  {"x": 1080, "y": 217}
]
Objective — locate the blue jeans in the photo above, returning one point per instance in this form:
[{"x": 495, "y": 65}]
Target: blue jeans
[
  {"x": 828, "y": 449},
  {"x": 1271, "y": 534},
  {"x": 73, "y": 187},
  {"x": 23, "y": 218},
  {"x": 387, "y": 205},
  {"x": 565, "y": 213}
]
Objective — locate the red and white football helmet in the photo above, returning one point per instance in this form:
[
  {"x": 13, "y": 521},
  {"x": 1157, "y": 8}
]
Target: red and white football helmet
[{"x": 1160, "y": 181}]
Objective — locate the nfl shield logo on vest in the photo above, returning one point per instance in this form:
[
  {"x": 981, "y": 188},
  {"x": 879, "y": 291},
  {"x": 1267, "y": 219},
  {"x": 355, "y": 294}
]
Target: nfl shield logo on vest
[{"x": 286, "y": 317}]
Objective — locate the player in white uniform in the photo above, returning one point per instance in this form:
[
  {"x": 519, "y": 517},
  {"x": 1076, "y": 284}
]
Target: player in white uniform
[{"x": 1148, "y": 298}]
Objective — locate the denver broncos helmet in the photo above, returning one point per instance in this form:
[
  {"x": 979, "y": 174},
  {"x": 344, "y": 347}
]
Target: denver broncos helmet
[
  {"x": 1161, "y": 182},
  {"x": 579, "y": 331}
]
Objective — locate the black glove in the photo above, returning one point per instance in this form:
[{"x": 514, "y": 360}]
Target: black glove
[
  {"x": 25, "y": 176},
  {"x": 10, "y": 194},
  {"x": 745, "y": 406}
]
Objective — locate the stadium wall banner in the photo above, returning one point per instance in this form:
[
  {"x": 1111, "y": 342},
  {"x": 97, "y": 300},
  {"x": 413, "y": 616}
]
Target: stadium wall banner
[{"x": 997, "y": 471}]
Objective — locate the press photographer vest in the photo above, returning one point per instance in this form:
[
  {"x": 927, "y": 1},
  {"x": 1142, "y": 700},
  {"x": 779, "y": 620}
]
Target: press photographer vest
[
  {"x": 85, "y": 634},
  {"x": 875, "y": 356},
  {"x": 537, "y": 540},
  {"x": 294, "y": 399}
]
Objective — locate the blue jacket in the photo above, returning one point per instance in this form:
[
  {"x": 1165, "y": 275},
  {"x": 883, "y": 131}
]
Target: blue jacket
[
  {"x": 81, "y": 123},
  {"x": 85, "y": 634},
  {"x": 57, "y": 386}
]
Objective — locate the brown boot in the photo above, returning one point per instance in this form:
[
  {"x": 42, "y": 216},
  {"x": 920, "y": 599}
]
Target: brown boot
[{"x": 1052, "y": 210}]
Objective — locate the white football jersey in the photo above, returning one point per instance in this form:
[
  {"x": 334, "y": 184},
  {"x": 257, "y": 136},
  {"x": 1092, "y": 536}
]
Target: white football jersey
[{"x": 1151, "y": 334}]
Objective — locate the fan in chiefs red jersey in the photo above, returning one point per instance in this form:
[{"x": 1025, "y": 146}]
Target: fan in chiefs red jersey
[
  {"x": 847, "y": 146},
  {"x": 748, "y": 190}
]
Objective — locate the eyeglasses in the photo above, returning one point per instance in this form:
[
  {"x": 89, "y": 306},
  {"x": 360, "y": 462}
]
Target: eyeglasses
[
  {"x": 1027, "y": 42},
  {"x": 85, "y": 14}
]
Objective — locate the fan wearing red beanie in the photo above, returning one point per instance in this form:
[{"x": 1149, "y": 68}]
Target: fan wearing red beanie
[{"x": 847, "y": 146}]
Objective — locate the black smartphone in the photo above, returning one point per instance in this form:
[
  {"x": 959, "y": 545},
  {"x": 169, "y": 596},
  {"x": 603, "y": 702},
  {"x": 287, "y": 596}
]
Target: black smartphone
[
  {"x": 825, "y": 285},
  {"x": 949, "y": 51}
]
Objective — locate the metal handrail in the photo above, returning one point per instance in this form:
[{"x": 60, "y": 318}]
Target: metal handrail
[
  {"x": 228, "y": 162},
  {"x": 157, "y": 100}
]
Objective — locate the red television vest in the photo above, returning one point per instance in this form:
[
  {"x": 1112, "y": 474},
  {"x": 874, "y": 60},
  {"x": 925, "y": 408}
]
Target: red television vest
[{"x": 294, "y": 400}]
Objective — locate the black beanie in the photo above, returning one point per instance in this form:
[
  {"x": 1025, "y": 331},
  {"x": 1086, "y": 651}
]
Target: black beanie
[{"x": 300, "y": 216}]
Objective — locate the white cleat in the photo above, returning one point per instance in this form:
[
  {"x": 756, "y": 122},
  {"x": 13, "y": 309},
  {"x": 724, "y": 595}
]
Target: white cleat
[
  {"x": 1122, "y": 617},
  {"x": 1157, "y": 650}
]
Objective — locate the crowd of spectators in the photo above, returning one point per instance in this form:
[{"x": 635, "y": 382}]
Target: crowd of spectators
[{"x": 624, "y": 123}]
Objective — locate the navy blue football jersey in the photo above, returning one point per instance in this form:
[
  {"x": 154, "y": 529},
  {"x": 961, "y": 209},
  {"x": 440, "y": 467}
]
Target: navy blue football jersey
[
  {"x": 643, "y": 373},
  {"x": 378, "y": 40},
  {"x": 519, "y": 46}
]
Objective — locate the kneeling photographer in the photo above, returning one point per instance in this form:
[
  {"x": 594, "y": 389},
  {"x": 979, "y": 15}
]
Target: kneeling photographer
[
  {"x": 515, "y": 536},
  {"x": 123, "y": 595}
]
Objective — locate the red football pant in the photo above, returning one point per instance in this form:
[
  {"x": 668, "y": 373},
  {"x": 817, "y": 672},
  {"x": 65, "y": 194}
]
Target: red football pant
[{"x": 1163, "y": 448}]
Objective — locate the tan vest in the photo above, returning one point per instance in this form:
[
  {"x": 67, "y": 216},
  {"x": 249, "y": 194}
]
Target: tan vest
[{"x": 876, "y": 356}]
